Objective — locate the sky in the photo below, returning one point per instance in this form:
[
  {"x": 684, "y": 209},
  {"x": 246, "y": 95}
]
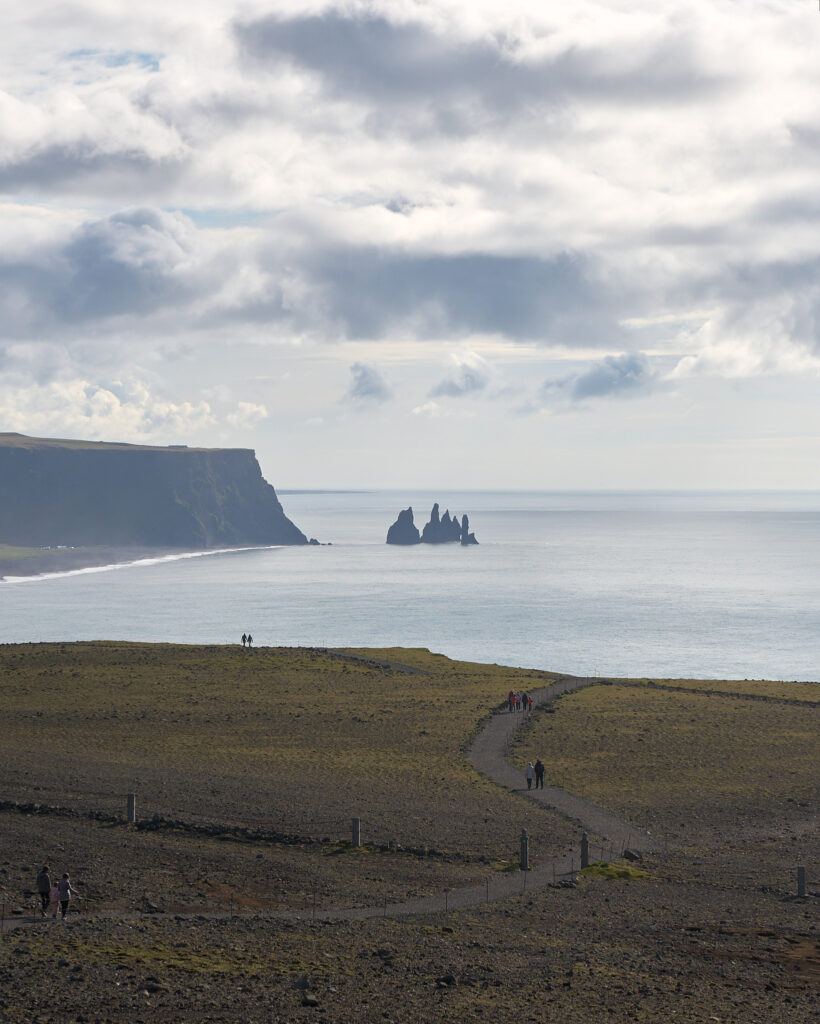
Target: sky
[{"x": 419, "y": 243}]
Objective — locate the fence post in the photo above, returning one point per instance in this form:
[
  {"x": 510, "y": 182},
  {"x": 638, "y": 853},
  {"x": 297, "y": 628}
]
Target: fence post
[
  {"x": 131, "y": 812},
  {"x": 584, "y": 851},
  {"x": 525, "y": 850},
  {"x": 356, "y": 826},
  {"x": 801, "y": 881}
]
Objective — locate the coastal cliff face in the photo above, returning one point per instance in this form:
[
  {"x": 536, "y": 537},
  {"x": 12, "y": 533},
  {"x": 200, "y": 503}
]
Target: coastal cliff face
[{"x": 84, "y": 493}]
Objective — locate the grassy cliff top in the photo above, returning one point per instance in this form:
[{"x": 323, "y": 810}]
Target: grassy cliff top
[{"x": 13, "y": 440}]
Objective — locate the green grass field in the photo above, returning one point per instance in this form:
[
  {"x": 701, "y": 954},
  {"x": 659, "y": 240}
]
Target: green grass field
[
  {"x": 669, "y": 759},
  {"x": 292, "y": 739}
]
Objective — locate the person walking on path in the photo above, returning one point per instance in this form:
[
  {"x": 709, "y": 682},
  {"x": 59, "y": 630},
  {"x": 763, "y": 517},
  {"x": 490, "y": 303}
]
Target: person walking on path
[
  {"x": 244, "y": 638},
  {"x": 44, "y": 889},
  {"x": 539, "y": 774},
  {"x": 511, "y": 700},
  {"x": 529, "y": 773},
  {"x": 250, "y": 640},
  {"x": 65, "y": 890},
  {"x": 524, "y": 702}
]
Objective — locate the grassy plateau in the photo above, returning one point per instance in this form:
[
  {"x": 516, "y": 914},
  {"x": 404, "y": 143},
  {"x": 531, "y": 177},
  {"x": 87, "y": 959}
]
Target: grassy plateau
[{"x": 254, "y": 763}]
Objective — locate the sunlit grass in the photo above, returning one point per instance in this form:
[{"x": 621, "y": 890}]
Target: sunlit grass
[
  {"x": 655, "y": 754},
  {"x": 295, "y": 739}
]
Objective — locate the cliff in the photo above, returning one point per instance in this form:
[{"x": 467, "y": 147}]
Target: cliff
[{"x": 85, "y": 493}]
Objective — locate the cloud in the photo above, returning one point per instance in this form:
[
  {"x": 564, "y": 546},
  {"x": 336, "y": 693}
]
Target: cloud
[
  {"x": 80, "y": 408},
  {"x": 390, "y": 62},
  {"x": 132, "y": 263},
  {"x": 431, "y": 409},
  {"x": 471, "y": 375},
  {"x": 149, "y": 266},
  {"x": 219, "y": 192},
  {"x": 368, "y": 385},
  {"x": 246, "y": 414},
  {"x": 624, "y": 376},
  {"x": 373, "y": 293}
]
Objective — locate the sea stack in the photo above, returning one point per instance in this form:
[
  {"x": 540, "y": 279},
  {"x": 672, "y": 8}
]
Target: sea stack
[
  {"x": 404, "y": 530},
  {"x": 440, "y": 529},
  {"x": 466, "y": 536}
]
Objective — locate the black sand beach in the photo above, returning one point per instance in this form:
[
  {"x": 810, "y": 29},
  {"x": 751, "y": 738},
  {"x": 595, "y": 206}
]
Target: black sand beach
[{"x": 16, "y": 561}]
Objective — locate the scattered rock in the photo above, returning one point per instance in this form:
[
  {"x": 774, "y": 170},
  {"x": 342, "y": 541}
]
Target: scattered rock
[{"x": 632, "y": 855}]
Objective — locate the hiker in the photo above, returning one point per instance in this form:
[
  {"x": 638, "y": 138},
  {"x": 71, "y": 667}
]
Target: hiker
[
  {"x": 518, "y": 702},
  {"x": 54, "y": 898},
  {"x": 250, "y": 639},
  {"x": 524, "y": 702},
  {"x": 44, "y": 889},
  {"x": 529, "y": 702},
  {"x": 65, "y": 890},
  {"x": 539, "y": 774},
  {"x": 244, "y": 638},
  {"x": 511, "y": 700},
  {"x": 529, "y": 772}
]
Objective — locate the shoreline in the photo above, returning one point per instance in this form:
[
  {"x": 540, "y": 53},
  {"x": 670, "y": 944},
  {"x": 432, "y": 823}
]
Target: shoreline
[{"x": 48, "y": 563}]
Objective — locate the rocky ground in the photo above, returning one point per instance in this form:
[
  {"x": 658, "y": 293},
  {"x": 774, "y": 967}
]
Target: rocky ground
[
  {"x": 661, "y": 948},
  {"x": 181, "y": 924}
]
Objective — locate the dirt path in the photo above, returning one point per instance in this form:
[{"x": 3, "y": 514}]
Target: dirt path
[{"x": 488, "y": 755}]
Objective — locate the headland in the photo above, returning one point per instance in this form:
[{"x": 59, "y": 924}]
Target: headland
[{"x": 69, "y": 504}]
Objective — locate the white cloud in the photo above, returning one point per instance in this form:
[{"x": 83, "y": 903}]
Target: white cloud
[
  {"x": 471, "y": 374},
  {"x": 608, "y": 176},
  {"x": 78, "y": 408},
  {"x": 246, "y": 414}
]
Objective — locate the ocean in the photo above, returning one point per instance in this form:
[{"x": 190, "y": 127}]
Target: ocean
[{"x": 706, "y": 585}]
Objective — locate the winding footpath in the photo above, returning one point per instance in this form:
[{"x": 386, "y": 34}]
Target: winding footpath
[{"x": 488, "y": 755}]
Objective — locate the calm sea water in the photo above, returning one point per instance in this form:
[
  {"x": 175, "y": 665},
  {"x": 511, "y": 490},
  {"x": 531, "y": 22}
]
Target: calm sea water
[{"x": 689, "y": 584}]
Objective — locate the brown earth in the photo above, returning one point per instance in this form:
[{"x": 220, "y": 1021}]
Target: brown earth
[{"x": 708, "y": 928}]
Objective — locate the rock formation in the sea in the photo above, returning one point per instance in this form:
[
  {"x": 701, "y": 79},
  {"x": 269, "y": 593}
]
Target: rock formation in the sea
[
  {"x": 466, "y": 536},
  {"x": 441, "y": 530},
  {"x": 404, "y": 530},
  {"x": 87, "y": 493},
  {"x": 444, "y": 529}
]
